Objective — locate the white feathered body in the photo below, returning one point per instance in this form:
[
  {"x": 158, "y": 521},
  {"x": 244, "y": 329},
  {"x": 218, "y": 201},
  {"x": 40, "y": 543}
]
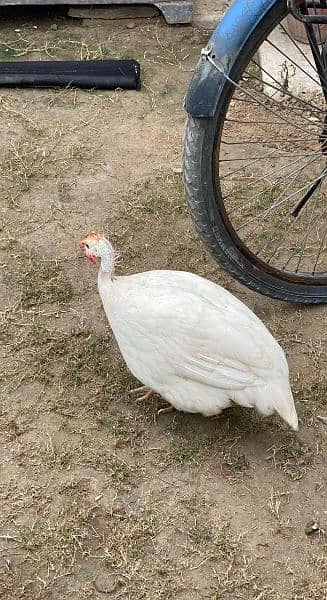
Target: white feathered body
[{"x": 195, "y": 344}]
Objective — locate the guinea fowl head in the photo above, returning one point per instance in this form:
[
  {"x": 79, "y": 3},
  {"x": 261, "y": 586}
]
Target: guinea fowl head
[{"x": 96, "y": 246}]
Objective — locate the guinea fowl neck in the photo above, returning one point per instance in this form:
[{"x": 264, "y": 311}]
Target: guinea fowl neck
[{"x": 108, "y": 257}]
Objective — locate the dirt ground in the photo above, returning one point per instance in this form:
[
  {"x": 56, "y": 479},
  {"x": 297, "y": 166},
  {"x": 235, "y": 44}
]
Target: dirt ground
[{"x": 100, "y": 498}]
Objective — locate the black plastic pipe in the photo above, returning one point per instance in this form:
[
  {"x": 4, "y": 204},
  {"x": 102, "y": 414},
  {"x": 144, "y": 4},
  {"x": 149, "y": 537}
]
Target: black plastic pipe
[{"x": 99, "y": 74}]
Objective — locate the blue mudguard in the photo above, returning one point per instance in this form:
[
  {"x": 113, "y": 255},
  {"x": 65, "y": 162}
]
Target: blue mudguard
[{"x": 225, "y": 45}]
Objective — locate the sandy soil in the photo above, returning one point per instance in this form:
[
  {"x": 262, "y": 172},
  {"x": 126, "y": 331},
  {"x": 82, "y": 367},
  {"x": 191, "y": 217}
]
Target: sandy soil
[{"x": 99, "y": 497}]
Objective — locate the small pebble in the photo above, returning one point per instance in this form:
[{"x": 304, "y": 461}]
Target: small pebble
[
  {"x": 18, "y": 30},
  {"x": 131, "y": 25},
  {"x": 54, "y": 27},
  {"x": 312, "y": 527}
]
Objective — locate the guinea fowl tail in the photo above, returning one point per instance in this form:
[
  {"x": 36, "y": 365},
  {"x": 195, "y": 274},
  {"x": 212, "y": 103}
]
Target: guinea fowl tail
[{"x": 284, "y": 405}]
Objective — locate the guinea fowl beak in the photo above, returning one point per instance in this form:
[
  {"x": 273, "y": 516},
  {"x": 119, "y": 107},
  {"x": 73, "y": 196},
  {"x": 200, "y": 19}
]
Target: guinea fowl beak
[{"x": 84, "y": 248}]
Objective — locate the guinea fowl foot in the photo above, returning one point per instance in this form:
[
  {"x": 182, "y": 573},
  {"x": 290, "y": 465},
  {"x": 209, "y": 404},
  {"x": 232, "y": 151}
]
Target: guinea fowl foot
[
  {"x": 166, "y": 410},
  {"x": 143, "y": 388}
]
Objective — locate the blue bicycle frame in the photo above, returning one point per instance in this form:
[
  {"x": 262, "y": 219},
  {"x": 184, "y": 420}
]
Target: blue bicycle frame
[{"x": 225, "y": 44}]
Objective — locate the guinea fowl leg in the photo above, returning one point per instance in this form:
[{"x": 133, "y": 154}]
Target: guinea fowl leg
[
  {"x": 143, "y": 388},
  {"x": 167, "y": 409},
  {"x": 147, "y": 395}
]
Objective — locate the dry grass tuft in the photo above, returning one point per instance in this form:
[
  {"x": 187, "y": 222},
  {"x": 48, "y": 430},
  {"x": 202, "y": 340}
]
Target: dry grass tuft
[{"x": 293, "y": 457}]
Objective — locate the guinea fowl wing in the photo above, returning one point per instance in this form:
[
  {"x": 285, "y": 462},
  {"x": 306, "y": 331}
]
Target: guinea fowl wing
[
  {"x": 219, "y": 344},
  {"x": 224, "y": 350}
]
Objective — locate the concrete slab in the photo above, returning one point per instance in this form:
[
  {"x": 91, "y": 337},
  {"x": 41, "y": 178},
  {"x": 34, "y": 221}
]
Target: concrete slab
[
  {"x": 174, "y": 11},
  {"x": 113, "y": 13},
  {"x": 283, "y": 69}
]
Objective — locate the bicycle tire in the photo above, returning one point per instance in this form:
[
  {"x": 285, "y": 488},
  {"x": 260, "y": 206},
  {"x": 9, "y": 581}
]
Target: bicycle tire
[{"x": 198, "y": 176}]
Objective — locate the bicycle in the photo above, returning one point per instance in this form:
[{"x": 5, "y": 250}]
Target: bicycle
[{"x": 255, "y": 147}]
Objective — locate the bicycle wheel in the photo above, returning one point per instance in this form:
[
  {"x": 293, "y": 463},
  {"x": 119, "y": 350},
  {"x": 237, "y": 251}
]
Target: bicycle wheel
[{"x": 255, "y": 173}]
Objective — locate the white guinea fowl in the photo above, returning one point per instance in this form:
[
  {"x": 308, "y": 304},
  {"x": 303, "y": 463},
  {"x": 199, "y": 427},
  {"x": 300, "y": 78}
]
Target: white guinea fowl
[{"x": 191, "y": 341}]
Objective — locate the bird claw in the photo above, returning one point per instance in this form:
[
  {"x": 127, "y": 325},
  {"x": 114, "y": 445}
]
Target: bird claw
[
  {"x": 146, "y": 396},
  {"x": 166, "y": 410},
  {"x": 138, "y": 390},
  {"x": 143, "y": 388}
]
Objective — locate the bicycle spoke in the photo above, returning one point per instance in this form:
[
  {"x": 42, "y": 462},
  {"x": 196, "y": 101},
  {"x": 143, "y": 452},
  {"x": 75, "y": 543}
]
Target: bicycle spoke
[
  {"x": 278, "y": 103},
  {"x": 285, "y": 91},
  {"x": 258, "y": 158},
  {"x": 323, "y": 239},
  {"x": 259, "y": 102},
  {"x": 239, "y": 121},
  {"x": 317, "y": 82},
  {"x": 260, "y": 222},
  {"x": 296, "y": 172},
  {"x": 299, "y": 50},
  {"x": 280, "y": 243},
  {"x": 266, "y": 176},
  {"x": 275, "y": 140},
  {"x": 314, "y": 204},
  {"x": 263, "y": 246},
  {"x": 303, "y": 240},
  {"x": 254, "y": 160},
  {"x": 277, "y": 203}
]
